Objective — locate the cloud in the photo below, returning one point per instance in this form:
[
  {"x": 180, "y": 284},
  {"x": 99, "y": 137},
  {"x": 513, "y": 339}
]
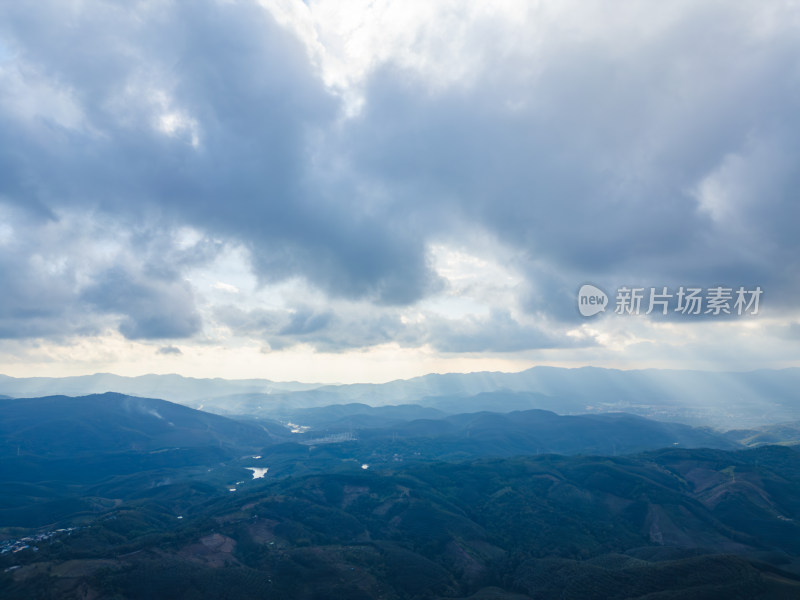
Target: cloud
[
  {"x": 75, "y": 274},
  {"x": 324, "y": 329},
  {"x": 602, "y": 158},
  {"x": 339, "y": 150},
  {"x": 226, "y": 287},
  {"x": 169, "y": 350},
  {"x": 206, "y": 117},
  {"x": 151, "y": 305},
  {"x": 497, "y": 332},
  {"x": 344, "y": 329},
  {"x": 42, "y": 263}
]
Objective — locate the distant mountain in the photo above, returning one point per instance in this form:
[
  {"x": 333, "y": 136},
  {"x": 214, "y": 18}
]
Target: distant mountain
[
  {"x": 719, "y": 399},
  {"x": 515, "y": 432},
  {"x": 362, "y": 416},
  {"x": 781, "y": 433},
  {"x": 727, "y": 400},
  {"x": 610, "y": 433},
  {"x": 111, "y": 422},
  {"x": 176, "y": 388},
  {"x": 726, "y": 396},
  {"x": 364, "y": 438}
]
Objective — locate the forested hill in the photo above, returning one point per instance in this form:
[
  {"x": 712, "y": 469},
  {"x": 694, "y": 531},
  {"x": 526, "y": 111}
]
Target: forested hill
[{"x": 668, "y": 524}]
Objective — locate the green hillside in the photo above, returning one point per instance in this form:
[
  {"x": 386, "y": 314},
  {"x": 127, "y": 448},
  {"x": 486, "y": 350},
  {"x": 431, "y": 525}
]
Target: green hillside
[{"x": 665, "y": 524}]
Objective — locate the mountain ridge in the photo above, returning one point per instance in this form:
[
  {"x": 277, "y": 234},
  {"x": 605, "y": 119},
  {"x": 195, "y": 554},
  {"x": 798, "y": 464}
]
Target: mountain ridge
[{"x": 732, "y": 399}]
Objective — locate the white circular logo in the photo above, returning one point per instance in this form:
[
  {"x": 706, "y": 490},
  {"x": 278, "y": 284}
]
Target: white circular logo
[{"x": 591, "y": 300}]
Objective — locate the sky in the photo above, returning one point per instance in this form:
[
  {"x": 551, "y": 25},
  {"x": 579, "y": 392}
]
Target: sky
[{"x": 342, "y": 191}]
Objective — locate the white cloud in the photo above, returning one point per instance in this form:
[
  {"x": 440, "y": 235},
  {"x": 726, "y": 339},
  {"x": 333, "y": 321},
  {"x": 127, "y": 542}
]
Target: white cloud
[{"x": 226, "y": 287}]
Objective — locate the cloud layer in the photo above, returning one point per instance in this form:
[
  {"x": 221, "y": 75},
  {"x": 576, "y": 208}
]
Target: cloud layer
[{"x": 442, "y": 176}]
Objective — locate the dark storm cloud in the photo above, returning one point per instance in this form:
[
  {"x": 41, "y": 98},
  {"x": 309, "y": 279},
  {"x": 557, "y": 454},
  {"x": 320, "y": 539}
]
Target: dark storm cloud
[
  {"x": 325, "y": 330},
  {"x": 496, "y": 332},
  {"x": 75, "y": 275},
  {"x": 151, "y": 305},
  {"x": 201, "y": 113},
  {"x": 37, "y": 280},
  {"x": 306, "y": 321},
  {"x": 347, "y": 329},
  {"x": 597, "y": 166},
  {"x": 31, "y": 305},
  {"x": 660, "y": 159}
]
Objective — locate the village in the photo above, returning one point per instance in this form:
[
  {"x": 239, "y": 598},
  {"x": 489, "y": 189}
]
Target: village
[{"x": 30, "y": 541}]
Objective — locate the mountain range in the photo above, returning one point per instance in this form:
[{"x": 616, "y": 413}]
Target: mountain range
[
  {"x": 721, "y": 399},
  {"x": 116, "y": 496}
]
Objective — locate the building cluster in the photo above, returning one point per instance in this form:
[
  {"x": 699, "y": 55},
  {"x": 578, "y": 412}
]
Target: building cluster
[{"x": 30, "y": 541}]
